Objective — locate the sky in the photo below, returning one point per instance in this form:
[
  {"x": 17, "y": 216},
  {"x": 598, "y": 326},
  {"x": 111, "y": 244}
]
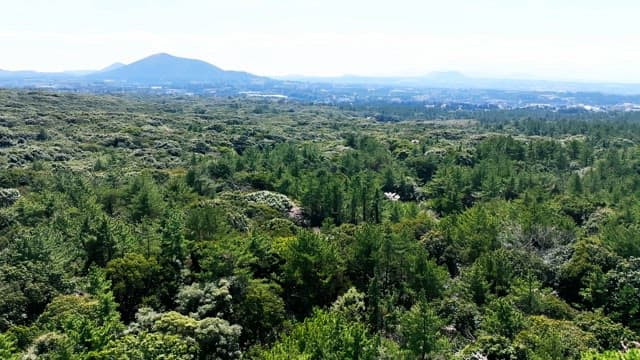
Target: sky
[{"x": 585, "y": 40}]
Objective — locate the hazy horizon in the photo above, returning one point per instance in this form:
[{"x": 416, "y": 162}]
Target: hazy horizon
[{"x": 576, "y": 41}]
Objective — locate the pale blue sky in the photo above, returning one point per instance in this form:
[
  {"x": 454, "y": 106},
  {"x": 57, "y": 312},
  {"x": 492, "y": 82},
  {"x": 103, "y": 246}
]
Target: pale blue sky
[{"x": 562, "y": 39}]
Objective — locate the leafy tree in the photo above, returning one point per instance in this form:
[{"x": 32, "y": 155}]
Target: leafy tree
[
  {"x": 172, "y": 256},
  {"x": 81, "y": 323},
  {"x": 8, "y": 348},
  {"x": 633, "y": 354},
  {"x": 476, "y": 281},
  {"x": 214, "y": 338},
  {"x": 589, "y": 257},
  {"x": 498, "y": 271},
  {"x": 531, "y": 299},
  {"x": 52, "y": 346},
  {"x": 133, "y": 278},
  {"x": 424, "y": 166},
  {"x": 29, "y": 280},
  {"x": 362, "y": 258},
  {"x": 145, "y": 345},
  {"x": 555, "y": 339},
  {"x": 324, "y": 335},
  {"x": 427, "y": 279},
  {"x": 503, "y": 319},
  {"x": 146, "y": 199},
  {"x": 459, "y": 312},
  {"x": 622, "y": 239},
  {"x": 205, "y": 221},
  {"x": 475, "y": 231},
  {"x": 420, "y": 329},
  {"x": 205, "y": 300},
  {"x": 450, "y": 189},
  {"x": 261, "y": 312},
  {"x": 608, "y": 333},
  {"x": 623, "y": 287},
  {"x": 99, "y": 244},
  {"x": 312, "y": 272},
  {"x": 351, "y": 305}
]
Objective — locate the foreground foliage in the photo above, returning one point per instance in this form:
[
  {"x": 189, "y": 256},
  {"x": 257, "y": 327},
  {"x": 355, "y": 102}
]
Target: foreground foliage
[{"x": 193, "y": 228}]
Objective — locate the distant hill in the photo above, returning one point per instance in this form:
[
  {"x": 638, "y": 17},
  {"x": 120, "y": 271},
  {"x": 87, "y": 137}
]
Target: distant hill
[
  {"x": 17, "y": 74},
  {"x": 172, "y": 72},
  {"x": 456, "y": 80},
  {"x": 113, "y": 66},
  {"x": 442, "y": 77},
  {"x": 164, "y": 68}
]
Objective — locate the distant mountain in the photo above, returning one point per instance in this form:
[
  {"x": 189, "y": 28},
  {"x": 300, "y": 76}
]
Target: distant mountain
[
  {"x": 434, "y": 79},
  {"x": 29, "y": 74},
  {"x": 456, "y": 80},
  {"x": 77, "y": 72},
  {"x": 116, "y": 65},
  {"x": 172, "y": 72},
  {"x": 17, "y": 74},
  {"x": 164, "y": 68}
]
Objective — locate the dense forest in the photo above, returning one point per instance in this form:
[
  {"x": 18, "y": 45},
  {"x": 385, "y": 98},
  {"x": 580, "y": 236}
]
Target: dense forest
[{"x": 198, "y": 228}]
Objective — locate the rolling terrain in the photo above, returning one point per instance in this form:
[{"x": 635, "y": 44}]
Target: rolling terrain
[{"x": 193, "y": 227}]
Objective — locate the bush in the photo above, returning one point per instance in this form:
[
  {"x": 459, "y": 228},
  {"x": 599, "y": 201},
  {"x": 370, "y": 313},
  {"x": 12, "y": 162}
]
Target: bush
[
  {"x": 8, "y": 197},
  {"x": 271, "y": 199}
]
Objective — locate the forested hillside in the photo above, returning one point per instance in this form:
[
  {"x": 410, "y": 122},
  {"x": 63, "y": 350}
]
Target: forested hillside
[{"x": 196, "y": 228}]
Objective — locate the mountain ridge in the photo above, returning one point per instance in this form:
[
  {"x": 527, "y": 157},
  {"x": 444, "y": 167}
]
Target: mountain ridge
[
  {"x": 165, "y": 68},
  {"x": 458, "y": 80},
  {"x": 115, "y": 65}
]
